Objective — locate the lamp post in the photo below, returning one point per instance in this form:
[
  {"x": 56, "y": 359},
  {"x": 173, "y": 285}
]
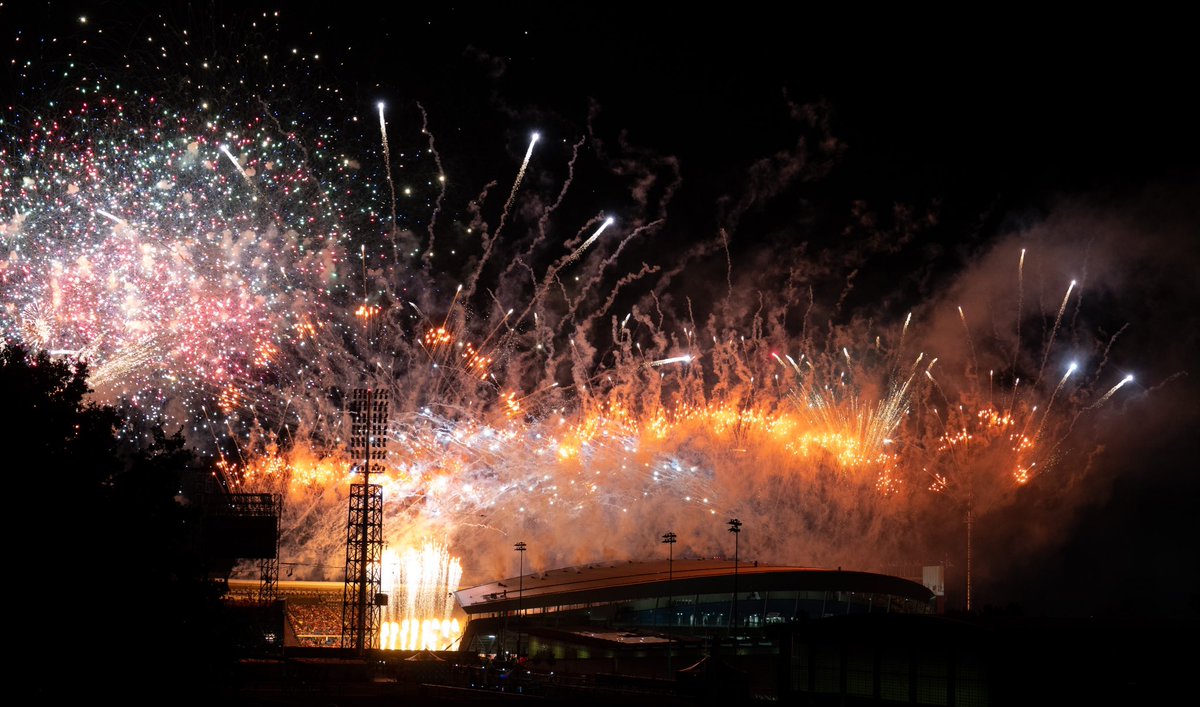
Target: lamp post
[
  {"x": 735, "y": 527},
  {"x": 669, "y": 540},
  {"x": 520, "y": 547}
]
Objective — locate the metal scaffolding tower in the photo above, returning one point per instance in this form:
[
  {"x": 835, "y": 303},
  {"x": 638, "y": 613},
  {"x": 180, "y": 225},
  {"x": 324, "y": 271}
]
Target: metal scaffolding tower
[
  {"x": 268, "y": 567},
  {"x": 245, "y": 526},
  {"x": 364, "y": 523}
]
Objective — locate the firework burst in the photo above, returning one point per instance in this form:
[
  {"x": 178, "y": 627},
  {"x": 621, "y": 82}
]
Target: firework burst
[{"x": 561, "y": 389}]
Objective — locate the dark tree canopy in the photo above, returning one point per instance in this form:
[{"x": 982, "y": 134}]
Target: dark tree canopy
[
  {"x": 51, "y": 426},
  {"x": 111, "y": 533}
]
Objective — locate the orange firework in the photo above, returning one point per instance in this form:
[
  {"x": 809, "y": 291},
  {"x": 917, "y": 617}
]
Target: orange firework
[
  {"x": 229, "y": 398},
  {"x": 475, "y": 362},
  {"x": 437, "y": 337},
  {"x": 366, "y": 312},
  {"x": 264, "y": 353},
  {"x": 985, "y": 430}
]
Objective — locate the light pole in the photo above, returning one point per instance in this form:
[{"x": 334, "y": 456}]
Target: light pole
[
  {"x": 669, "y": 540},
  {"x": 735, "y": 527},
  {"x": 520, "y": 547}
]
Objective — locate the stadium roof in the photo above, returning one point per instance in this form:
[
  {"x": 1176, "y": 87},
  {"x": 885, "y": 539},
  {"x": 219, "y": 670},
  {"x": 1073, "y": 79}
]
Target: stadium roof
[{"x": 607, "y": 581}]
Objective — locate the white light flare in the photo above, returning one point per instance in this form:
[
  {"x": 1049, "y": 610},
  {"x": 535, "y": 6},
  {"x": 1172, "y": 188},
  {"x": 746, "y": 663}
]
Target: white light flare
[
  {"x": 591, "y": 239},
  {"x": 238, "y": 165},
  {"x": 687, "y": 358}
]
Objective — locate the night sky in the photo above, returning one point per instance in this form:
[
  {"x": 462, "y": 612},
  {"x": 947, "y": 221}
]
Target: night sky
[{"x": 939, "y": 140}]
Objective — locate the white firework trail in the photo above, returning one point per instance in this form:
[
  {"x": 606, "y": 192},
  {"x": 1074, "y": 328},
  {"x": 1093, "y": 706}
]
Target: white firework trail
[{"x": 387, "y": 161}]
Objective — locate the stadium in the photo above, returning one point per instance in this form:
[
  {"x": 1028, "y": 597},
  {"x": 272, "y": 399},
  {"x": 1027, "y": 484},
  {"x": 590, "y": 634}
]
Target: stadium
[{"x": 602, "y": 609}]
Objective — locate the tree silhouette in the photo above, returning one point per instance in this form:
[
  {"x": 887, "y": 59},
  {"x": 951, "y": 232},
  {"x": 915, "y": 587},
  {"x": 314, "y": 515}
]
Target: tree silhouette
[
  {"x": 51, "y": 425},
  {"x": 107, "y": 541}
]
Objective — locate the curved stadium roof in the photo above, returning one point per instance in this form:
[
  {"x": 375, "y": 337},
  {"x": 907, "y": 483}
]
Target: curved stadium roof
[{"x": 608, "y": 581}]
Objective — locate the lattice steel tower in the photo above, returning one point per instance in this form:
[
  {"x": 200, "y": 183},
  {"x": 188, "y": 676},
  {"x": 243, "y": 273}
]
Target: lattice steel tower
[
  {"x": 268, "y": 567},
  {"x": 364, "y": 524}
]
